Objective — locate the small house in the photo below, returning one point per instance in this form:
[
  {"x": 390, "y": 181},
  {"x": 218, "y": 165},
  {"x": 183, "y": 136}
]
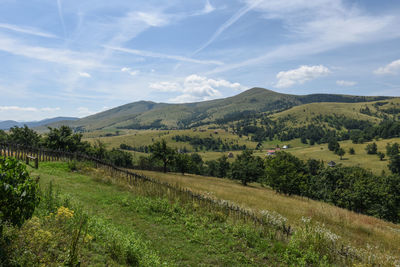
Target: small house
[
  {"x": 285, "y": 147},
  {"x": 230, "y": 155},
  {"x": 331, "y": 163}
]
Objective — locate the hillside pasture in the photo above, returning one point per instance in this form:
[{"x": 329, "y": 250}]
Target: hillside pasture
[
  {"x": 356, "y": 229},
  {"x": 360, "y": 158}
]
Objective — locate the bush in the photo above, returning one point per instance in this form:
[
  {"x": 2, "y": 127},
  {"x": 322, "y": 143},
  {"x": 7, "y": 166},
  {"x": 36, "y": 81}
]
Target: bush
[
  {"x": 372, "y": 148},
  {"x": 18, "y": 192}
]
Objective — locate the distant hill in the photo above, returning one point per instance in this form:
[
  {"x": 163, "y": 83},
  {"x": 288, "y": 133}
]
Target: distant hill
[
  {"x": 146, "y": 115},
  {"x": 5, "y": 125}
]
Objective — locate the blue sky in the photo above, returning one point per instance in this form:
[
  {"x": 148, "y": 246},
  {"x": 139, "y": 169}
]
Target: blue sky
[{"x": 75, "y": 58}]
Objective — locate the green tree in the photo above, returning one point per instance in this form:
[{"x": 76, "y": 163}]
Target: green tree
[
  {"x": 223, "y": 166},
  {"x": 3, "y": 136},
  {"x": 381, "y": 155},
  {"x": 333, "y": 144},
  {"x": 99, "y": 150},
  {"x": 162, "y": 152},
  {"x": 119, "y": 158},
  {"x": 182, "y": 162},
  {"x": 351, "y": 151},
  {"x": 196, "y": 164},
  {"x": 247, "y": 168},
  {"x": 340, "y": 152},
  {"x": 286, "y": 173},
  {"x": 212, "y": 168},
  {"x": 23, "y": 136},
  {"x": 19, "y": 194},
  {"x": 371, "y": 148},
  {"x": 64, "y": 139},
  {"x": 392, "y": 150},
  {"x": 394, "y": 164}
]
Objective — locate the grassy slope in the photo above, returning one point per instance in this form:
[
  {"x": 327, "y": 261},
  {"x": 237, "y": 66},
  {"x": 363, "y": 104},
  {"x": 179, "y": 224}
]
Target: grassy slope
[
  {"x": 360, "y": 158},
  {"x": 357, "y": 229},
  {"x": 183, "y": 238},
  {"x": 138, "y": 138},
  {"x": 304, "y": 114},
  {"x": 256, "y": 99}
]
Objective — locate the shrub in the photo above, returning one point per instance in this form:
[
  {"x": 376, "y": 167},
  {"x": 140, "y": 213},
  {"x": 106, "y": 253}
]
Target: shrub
[{"x": 18, "y": 192}]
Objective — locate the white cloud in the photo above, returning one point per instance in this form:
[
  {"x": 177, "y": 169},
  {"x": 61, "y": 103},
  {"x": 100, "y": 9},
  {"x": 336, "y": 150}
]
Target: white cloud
[
  {"x": 131, "y": 72},
  {"x": 60, "y": 15},
  {"x": 300, "y": 75},
  {"x": 27, "y": 109},
  {"x": 16, "y": 108},
  {"x": 27, "y": 30},
  {"x": 50, "y": 109},
  {"x": 164, "y": 56},
  {"x": 59, "y": 56},
  {"x": 232, "y": 20},
  {"x": 208, "y": 8},
  {"x": 84, "y": 74},
  {"x": 345, "y": 83},
  {"x": 391, "y": 68},
  {"x": 195, "y": 88},
  {"x": 319, "y": 26},
  {"x": 166, "y": 86},
  {"x": 151, "y": 19}
]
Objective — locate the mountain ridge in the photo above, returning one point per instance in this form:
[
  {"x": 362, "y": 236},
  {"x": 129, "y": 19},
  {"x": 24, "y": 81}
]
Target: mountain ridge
[
  {"x": 149, "y": 114},
  {"x": 7, "y": 124}
]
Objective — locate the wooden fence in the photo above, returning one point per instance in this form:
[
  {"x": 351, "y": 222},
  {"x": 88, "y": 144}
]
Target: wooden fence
[{"x": 132, "y": 178}]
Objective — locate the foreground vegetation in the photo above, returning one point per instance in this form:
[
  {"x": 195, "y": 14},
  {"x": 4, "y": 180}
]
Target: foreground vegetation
[{"x": 93, "y": 218}]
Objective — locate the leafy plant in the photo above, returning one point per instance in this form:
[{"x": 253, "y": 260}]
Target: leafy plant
[{"x": 18, "y": 192}]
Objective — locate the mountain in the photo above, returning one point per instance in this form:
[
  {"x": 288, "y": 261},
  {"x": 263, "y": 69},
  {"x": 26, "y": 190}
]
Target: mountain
[
  {"x": 145, "y": 114},
  {"x": 5, "y": 125}
]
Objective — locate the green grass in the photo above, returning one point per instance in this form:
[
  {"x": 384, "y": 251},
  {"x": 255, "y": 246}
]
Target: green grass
[
  {"x": 184, "y": 233},
  {"x": 139, "y": 222},
  {"x": 178, "y": 234},
  {"x": 356, "y": 229}
]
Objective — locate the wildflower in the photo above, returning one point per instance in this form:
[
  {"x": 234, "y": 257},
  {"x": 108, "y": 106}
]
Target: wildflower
[{"x": 64, "y": 212}]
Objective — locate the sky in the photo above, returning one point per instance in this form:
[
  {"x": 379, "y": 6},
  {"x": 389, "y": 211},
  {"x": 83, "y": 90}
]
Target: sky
[{"x": 76, "y": 58}]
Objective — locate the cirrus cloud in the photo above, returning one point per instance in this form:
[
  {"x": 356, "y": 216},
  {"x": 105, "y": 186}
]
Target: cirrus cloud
[
  {"x": 300, "y": 75},
  {"x": 345, "y": 83}
]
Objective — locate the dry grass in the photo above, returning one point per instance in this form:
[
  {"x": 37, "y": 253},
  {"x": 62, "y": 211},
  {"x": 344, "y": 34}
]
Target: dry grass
[
  {"x": 137, "y": 138},
  {"x": 360, "y": 158},
  {"x": 357, "y": 229}
]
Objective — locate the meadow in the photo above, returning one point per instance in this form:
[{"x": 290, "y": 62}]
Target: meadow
[
  {"x": 360, "y": 158},
  {"x": 300, "y": 150},
  {"x": 171, "y": 232},
  {"x": 359, "y": 230}
]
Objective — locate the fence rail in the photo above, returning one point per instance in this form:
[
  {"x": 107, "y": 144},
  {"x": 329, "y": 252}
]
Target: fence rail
[{"x": 42, "y": 155}]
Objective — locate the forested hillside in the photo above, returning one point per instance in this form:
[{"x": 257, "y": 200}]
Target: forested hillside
[{"x": 150, "y": 115}]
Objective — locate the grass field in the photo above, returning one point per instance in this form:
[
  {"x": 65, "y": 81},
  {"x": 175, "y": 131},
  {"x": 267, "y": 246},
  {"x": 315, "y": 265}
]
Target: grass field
[
  {"x": 360, "y": 158},
  {"x": 179, "y": 235},
  {"x": 357, "y": 229},
  {"x": 147, "y": 137},
  {"x": 181, "y": 232},
  {"x": 137, "y": 138}
]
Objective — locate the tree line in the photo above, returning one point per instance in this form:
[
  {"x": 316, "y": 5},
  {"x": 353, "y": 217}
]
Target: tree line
[
  {"x": 208, "y": 143},
  {"x": 353, "y": 188},
  {"x": 64, "y": 139}
]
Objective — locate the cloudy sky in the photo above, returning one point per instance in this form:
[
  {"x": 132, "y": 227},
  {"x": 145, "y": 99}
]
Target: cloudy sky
[{"x": 75, "y": 58}]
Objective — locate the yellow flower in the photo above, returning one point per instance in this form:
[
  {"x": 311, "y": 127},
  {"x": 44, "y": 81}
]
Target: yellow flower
[{"x": 64, "y": 212}]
